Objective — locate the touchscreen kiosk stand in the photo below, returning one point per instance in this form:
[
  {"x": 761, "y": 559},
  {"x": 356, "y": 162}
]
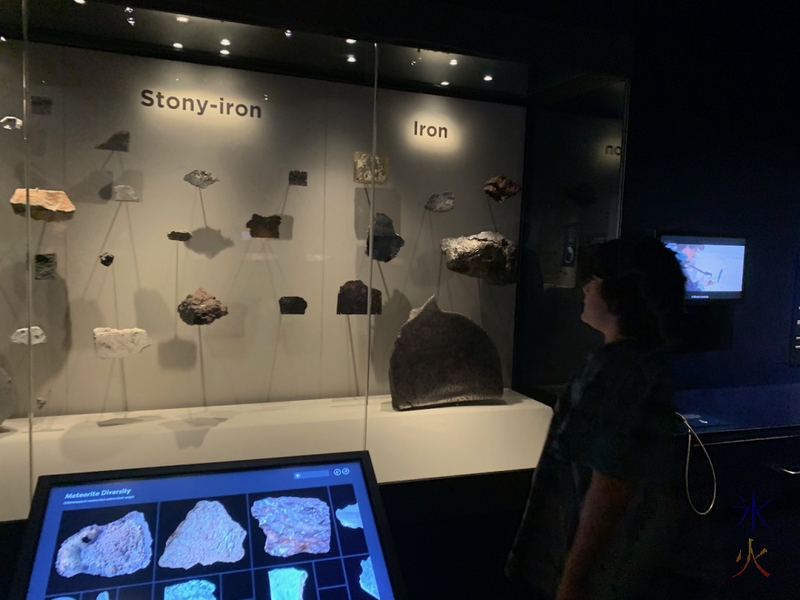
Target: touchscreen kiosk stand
[{"x": 308, "y": 528}]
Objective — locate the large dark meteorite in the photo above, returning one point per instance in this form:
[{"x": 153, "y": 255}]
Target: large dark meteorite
[
  {"x": 45, "y": 266},
  {"x": 265, "y": 227},
  {"x": 442, "y": 358},
  {"x": 201, "y": 308},
  {"x": 386, "y": 242},
  {"x": 298, "y": 178},
  {"x": 501, "y": 188},
  {"x": 352, "y": 299},
  {"x": 487, "y": 255},
  {"x": 293, "y": 305}
]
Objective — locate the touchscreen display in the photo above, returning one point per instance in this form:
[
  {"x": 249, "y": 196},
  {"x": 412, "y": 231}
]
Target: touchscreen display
[
  {"x": 714, "y": 267},
  {"x": 271, "y": 534}
]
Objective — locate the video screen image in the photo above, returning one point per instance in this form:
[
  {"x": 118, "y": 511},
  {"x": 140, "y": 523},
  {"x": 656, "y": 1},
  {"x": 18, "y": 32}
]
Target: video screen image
[
  {"x": 709, "y": 266},
  {"x": 306, "y": 543}
]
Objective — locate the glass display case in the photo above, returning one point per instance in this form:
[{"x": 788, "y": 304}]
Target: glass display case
[{"x": 218, "y": 235}]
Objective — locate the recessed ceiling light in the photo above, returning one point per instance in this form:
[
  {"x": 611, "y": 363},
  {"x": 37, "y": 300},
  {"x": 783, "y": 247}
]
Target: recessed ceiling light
[
  {"x": 225, "y": 42},
  {"x": 2, "y": 39},
  {"x": 224, "y": 52},
  {"x": 177, "y": 45},
  {"x": 288, "y": 33},
  {"x": 350, "y": 41},
  {"x": 445, "y": 83},
  {"x": 351, "y": 58},
  {"x": 453, "y": 62},
  {"x": 182, "y": 19},
  {"x": 487, "y": 77},
  {"x": 80, "y": 1}
]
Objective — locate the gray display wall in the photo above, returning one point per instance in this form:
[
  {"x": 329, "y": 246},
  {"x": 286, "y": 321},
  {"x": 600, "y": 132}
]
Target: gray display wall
[{"x": 254, "y": 354}]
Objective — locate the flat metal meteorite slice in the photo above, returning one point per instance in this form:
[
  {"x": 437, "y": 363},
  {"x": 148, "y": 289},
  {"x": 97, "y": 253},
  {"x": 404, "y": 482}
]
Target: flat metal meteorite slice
[
  {"x": 118, "y": 548},
  {"x": 206, "y": 536},
  {"x": 294, "y": 525},
  {"x": 442, "y": 358},
  {"x": 200, "y": 179}
]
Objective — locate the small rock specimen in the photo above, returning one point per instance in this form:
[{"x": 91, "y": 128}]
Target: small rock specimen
[
  {"x": 106, "y": 259},
  {"x": 293, "y": 305},
  {"x": 441, "y": 202},
  {"x": 265, "y": 227},
  {"x": 352, "y": 299},
  {"x": 362, "y": 172},
  {"x": 20, "y": 336},
  {"x": 103, "y": 596},
  {"x": 350, "y": 517},
  {"x": 119, "y": 343},
  {"x": 287, "y": 584},
  {"x": 201, "y": 179},
  {"x": 386, "y": 242},
  {"x": 442, "y": 358},
  {"x": 46, "y": 205},
  {"x": 298, "y": 178},
  {"x": 206, "y": 536},
  {"x": 11, "y": 123},
  {"x": 293, "y": 525},
  {"x": 367, "y": 578},
  {"x": 118, "y": 142},
  {"x": 487, "y": 255},
  {"x": 179, "y": 236},
  {"x": 501, "y": 188},
  {"x": 195, "y": 589},
  {"x": 6, "y": 396},
  {"x": 125, "y": 193},
  {"x": 41, "y": 105},
  {"x": 45, "y": 266},
  {"x": 121, "y": 547},
  {"x": 201, "y": 308}
]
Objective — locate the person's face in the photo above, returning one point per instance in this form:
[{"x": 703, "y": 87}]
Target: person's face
[{"x": 595, "y": 309}]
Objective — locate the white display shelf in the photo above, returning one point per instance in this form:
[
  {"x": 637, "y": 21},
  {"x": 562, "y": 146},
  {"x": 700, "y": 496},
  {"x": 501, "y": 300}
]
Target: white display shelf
[{"x": 438, "y": 442}]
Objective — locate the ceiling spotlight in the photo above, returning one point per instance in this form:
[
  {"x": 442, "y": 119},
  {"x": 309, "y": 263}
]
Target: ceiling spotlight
[
  {"x": 177, "y": 45},
  {"x": 350, "y": 41},
  {"x": 80, "y": 1},
  {"x": 2, "y": 38},
  {"x": 351, "y": 58},
  {"x": 224, "y": 52},
  {"x": 487, "y": 77},
  {"x": 225, "y": 42},
  {"x": 182, "y": 19},
  {"x": 445, "y": 83},
  {"x": 453, "y": 62},
  {"x": 288, "y": 33}
]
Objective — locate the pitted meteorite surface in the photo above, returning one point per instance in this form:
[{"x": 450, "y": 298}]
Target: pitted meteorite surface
[{"x": 294, "y": 525}]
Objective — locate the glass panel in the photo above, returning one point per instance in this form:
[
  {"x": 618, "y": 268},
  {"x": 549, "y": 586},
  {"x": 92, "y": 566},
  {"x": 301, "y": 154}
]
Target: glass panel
[{"x": 198, "y": 155}]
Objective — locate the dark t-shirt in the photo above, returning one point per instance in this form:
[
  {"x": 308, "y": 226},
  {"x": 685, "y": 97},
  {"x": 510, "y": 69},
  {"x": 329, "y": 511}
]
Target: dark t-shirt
[{"x": 616, "y": 417}]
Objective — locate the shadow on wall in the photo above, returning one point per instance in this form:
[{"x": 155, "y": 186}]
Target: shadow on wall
[{"x": 395, "y": 313}]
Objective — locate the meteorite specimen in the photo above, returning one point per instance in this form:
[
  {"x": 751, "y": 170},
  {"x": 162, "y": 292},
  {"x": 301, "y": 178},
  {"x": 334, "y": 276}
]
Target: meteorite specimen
[
  {"x": 195, "y": 589},
  {"x": 201, "y": 308},
  {"x": 441, "y": 202},
  {"x": 125, "y": 193},
  {"x": 293, "y": 305},
  {"x": 501, "y": 188},
  {"x": 298, "y": 178},
  {"x": 442, "y": 358},
  {"x": 386, "y": 242},
  {"x": 179, "y": 236},
  {"x": 20, "y": 336},
  {"x": 294, "y": 525},
  {"x": 118, "y": 142},
  {"x": 106, "y": 259},
  {"x": 265, "y": 227},
  {"x": 11, "y": 123},
  {"x": 45, "y": 266},
  {"x": 367, "y": 578},
  {"x": 201, "y": 179},
  {"x": 6, "y": 396},
  {"x": 350, "y": 517},
  {"x": 287, "y": 583},
  {"x": 487, "y": 255},
  {"x": 362, "y": 168},
  {"x": 352, "y": 299},
  {"x": 119, "y": 343},
  {"x": 46, "y": 205},
  {"x": 121, "y": 547},
  {"x": 206, "y": 536}
]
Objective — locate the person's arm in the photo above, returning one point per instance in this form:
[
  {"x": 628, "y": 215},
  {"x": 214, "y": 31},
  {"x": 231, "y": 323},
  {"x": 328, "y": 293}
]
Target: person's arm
[{"x": 603, "y": 508}]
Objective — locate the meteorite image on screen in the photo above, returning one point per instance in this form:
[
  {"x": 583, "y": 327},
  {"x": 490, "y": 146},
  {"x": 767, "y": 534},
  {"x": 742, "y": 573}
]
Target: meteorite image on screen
[
  {"x": 206, "y": 536},
  {"x": 293, "y": 525},
  {"x": 287, "y": 584},
  {"x": 350, "y": 517},
  {"x": 367, "y": 578},
  {"x": 118, "y": 548},
  {"x": 195, "y": 589}
]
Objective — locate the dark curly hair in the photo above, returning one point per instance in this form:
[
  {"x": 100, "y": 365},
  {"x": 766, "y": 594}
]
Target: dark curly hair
[{"x": 643, "y": 285}]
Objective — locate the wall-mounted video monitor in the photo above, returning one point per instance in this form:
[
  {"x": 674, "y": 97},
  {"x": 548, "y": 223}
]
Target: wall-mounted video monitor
[{"x": 714, "y": 266}]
